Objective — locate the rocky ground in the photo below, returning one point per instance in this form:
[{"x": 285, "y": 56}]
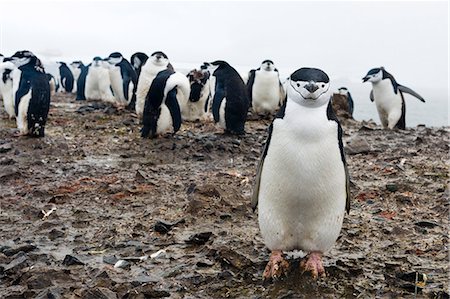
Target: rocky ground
[{"x": 94, "y": 211}]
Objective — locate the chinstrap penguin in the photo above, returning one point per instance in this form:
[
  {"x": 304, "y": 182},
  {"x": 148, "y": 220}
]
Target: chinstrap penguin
[
  {"x": 388, "y": 97},
  {"x": 123, "y": 80},
  {"x": 230, "y": 102},
  {"x": 164, "y": 103},
  {"x": 98, "y": 84},
  {"x": 7, "y": 69},
  {"x": 344, "y": 91},
  {"x": 302, "y": 182},
  {"x": 157, "y": 62},
  {"x": 66, "y": 77},
  {"x": 76, "y": 67},
  {"x": 266, "y": 94},
  {"x": 198, "y": 104},
  {"x": 31, "y": 94}
]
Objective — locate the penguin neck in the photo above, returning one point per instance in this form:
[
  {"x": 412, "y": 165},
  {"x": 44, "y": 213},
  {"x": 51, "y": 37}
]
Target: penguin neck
[{"x": 305, "y": 115}]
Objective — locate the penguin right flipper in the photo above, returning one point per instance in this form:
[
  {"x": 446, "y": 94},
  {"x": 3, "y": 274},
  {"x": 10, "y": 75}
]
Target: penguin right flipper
[
  {"x": 219, "y": 95},
  {"x": 174, "y": 108},
  {"x": 411, "y": 92},
  {"x": 371, "y": 96},
  {"x": 24, "y": 88}
]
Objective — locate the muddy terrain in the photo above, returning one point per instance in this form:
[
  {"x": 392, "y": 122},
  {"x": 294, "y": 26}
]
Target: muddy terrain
[{"x": 94, "y": 211}]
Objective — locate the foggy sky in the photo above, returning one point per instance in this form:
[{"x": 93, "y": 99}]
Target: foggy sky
[{"x": 345, "y": 39}]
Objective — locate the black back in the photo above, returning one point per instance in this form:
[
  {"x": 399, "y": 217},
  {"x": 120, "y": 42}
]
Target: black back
[
  {"x": 229, "y": 85},
  {"x": 137, "y": 60},
  {"x": 81, "y": 83},
  {"x": 153, "y": 102},
  {"x": 67, "y": 79}
]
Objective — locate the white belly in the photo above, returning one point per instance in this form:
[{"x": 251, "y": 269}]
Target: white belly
[
  {"x": 222, "y": 122},
  {"x": 265, "y": 92},
  {"x": 116, "y": 84},
  {"x": 389, "y": 104},
  {"x": 6, "y": 91},
  {"x": 21, "y": 119},
  {"x": 148, "y": 73},
  {"x": 165, "y": 123},
  {"x": 302, "y": 191}
]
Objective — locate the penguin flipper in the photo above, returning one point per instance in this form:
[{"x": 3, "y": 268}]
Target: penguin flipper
[
  {"x": 219, "y": 95},
  {"x": 174, "y": 108},
  {"x": 371, "y": 96},
  {"x": 251, "y": 80},
  {"x": 350, "y": 104},
  {"x": 23, "y": 89},
  {"x": 411, "y": 92}
]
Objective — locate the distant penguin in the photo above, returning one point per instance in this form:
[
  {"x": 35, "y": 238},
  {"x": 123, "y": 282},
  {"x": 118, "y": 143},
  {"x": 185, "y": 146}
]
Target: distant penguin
[
  {"x": 66, "y": 77},
  {"x": 31, "y": 94},
  {"x": 6, "y": 87},
  {"x": 52, "y": 82},
  {"x": 198, "y": 104},
  {"x": 157, "y": 62},
  {"x": 342, "y": 103},
  {"x": 123, "y": 80},
  {"x": 388, "y": 97},
  {"x": 1, "y": 60},
  {"x": 137, "y": 60},
  {"x": 98, "y": 84},
  {"x": 76, "y": 67},
  {"x": 230, "y": 102},
  {"x": 302, "y": 181},
  {"x": 164, "y": 103},
  {"x": 266, "y": 94},
  {"x": 81, "y": 79}
]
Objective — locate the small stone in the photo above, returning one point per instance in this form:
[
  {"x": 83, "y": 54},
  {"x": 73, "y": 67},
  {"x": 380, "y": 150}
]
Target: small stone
[
  {"x": 110, "y": 259},
  {"x": 391, "y": 187},
  {"x": 71, "y": 260},
  {"x": 5, "y": 148},
  {"x": 427, "y": 224},
  {"x": 24, "y": 248},
  {"x": 122, "y": 264},
  {"x": 17, "y": 263},
  {"x": 357, "y": 145},
  {"x": 199, "y": 239}
]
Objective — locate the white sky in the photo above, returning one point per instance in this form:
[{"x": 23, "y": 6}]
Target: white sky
[{"x": 345, "y": 39}]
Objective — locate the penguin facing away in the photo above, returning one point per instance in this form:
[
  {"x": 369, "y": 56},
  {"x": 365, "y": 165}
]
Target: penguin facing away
[
  {"x": 230, "y": 102},
  {"x": 265, "y": 91},
  {"x": 31, "y": 94},
  {"x": 123, "y": 80},
  {"x": 76, "y": 67},
  {"x": 81, "y": 81},
  {"x": 198, "y": 104},
  {"x": 302, "y": 182},
  {"x": 157, "y": 62},
  {"x": 6, "y": 87},
  {"x": 66, "y": 77},
  {"x": 164, "y": 103},
  {"x": 98, "y": 84},
  {"x": 388, "y": 97}
]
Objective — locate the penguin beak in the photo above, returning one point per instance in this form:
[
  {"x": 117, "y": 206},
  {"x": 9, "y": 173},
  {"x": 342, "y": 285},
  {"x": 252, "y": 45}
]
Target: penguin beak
[
  {"x": 7, "y": 59},
  {"x": 311, "y": 87},
  {"x": 365, "y": 79}
]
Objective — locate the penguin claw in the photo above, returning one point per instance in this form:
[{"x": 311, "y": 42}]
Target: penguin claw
[
  {"x": 276, "y": 267},
  {"x": 313, "y": 264}
]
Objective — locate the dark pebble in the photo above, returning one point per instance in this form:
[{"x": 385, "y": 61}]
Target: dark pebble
[
  {"x": 12, "y": 251},
  {"x": 71, "y": 260},
  {"x": 428, "y": 224},
  {"x": 392, "y": 187},
  {"x": 199, "y": 239},
  {"x": 110, "y": 259}
]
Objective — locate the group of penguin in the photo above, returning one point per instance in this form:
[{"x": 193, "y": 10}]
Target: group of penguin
[{"x": 302, "y": 181}]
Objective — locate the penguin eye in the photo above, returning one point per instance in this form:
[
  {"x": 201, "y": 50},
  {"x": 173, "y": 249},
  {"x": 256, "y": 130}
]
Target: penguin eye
[
  {"x": 298, "y": 84},
  {"x": 323, "y": 85}
]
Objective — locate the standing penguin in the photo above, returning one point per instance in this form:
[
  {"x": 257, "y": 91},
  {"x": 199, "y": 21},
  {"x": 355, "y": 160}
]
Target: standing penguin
[
  {"x": 137, "y": 60},
  {"x": 164, "y": 103},
  {"x": 157, "y": 62},
  {"x": 123, "y": 80},
  {"x": 388, "y": 97},
  {"x": 266, "y": 94},
  {"x": 76, "y": 67},
  {"x": 230, "y": 101},
  {"x": 31, "y": 94},
  {"x": 302, "y": 182},
  {"x": 66, "y": 77},
  {"x": 7, "y": 69},
  {"x": 198, "y": 103},
  {"x": 81, "y": 79},
  {"x": 98, "y": 84}
]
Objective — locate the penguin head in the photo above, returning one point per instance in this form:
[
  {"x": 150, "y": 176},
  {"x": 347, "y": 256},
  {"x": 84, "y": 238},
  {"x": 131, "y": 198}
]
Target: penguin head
[
  {"x": 374, "y": 75},
  {"x": 138, "y": 59},
  {"x": 159, "y": 58},
  {"x": 21, "y": 58},
  {"x": 114, "y": 58},
  {"x": 97, "y": 61},
  {"x": 309, "y": 87},
  {"x": 343, "y": 91},
  {"x": 76, "y": 64},
  {"x": 267, "y": 65}
]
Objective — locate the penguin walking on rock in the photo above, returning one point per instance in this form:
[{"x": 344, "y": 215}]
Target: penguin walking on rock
[
  {"x": 230, "y": 102},
  {"x": 123, "y": 80},
  {"x": 388, "y": 97},
  {"x": 66, "y": 77},
  {"x": 31, "y": 94},
  {"x": 302, "y": 182},
  {"x": 6, "y": 87},
  {"x": 265, "y": 91},
  {"x": 164, "y": 103},
  {"x": 157, "y": 62}
]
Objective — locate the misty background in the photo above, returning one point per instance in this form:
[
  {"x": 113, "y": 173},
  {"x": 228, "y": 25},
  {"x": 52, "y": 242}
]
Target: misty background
[{"x": 345, "y": 39}]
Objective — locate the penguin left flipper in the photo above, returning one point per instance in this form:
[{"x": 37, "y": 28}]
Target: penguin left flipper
[
  {"x": 251, "y": 80},
  {"x": 411, "y": 92},
  {"x": 24, "y": 88},
  {"x": 174, "y": 108},
  {"x": 371, "y": 96}
]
